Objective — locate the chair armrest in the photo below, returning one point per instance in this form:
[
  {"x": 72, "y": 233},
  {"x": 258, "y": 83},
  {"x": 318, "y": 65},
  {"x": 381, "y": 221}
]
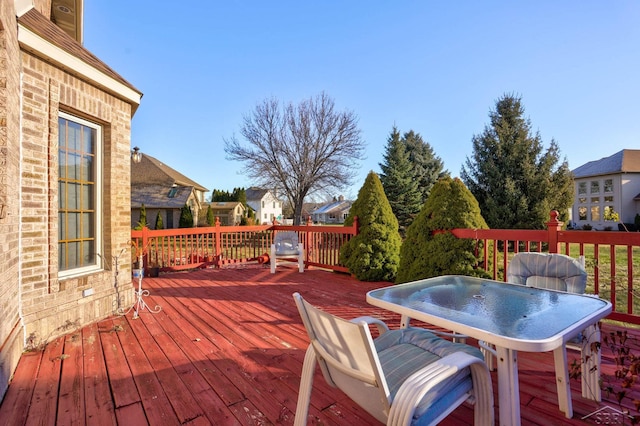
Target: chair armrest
[
  {"x": 422, "y": 381},
  {"x": 380, "y": 325}
]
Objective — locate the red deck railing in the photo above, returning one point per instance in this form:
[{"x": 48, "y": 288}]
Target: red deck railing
[
  {"x": 612, "y": 258},
  {"x": 188, "y": 248}
]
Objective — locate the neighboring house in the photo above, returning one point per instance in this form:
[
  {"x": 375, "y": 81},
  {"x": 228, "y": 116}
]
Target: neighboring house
[
  {"x": 163, "y": 190},
  {"x": 229, "y": 213},
  {"x": 65, "y": 129},
  {"x": 335, "y": 211},
  {"x": 609, "y": 183},
  {"x": 266, "y": 206}
]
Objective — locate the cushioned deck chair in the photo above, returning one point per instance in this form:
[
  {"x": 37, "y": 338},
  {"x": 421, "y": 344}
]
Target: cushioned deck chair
[
  {"x": 286, "y": 248},
  {"x": 564, "y": 273},
  {"x": 403, "y": 377}
]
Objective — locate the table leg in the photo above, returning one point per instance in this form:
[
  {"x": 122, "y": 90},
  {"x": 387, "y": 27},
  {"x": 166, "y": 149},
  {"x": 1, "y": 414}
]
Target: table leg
[
  {"x": 562, "y": 381},
  {"x": 508, "y": 386}
]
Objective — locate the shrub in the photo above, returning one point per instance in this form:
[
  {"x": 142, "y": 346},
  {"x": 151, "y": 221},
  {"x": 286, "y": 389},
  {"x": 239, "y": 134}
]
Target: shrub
[
  {"x": 159, "y": 223},
  {"x": 211, "y": 220},
  {"x": 186, "y": 217},
  {"x": 426, "y": 253},
  {"x": 143, "y": 219},
  {"x": 373, "y": 254}
]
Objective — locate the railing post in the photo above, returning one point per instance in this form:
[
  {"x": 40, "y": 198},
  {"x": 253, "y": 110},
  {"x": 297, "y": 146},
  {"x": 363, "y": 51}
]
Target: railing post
[
  {"x": 145, "y": 253},
  {"x": 218, "y": 235},
  {"x": 553, "y": 227},
  {"x": 307, "y": 240},
  {"x": 356, "y": 225}
]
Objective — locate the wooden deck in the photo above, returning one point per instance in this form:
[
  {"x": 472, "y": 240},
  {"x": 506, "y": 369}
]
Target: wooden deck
[{"x": 226, "y": 349}]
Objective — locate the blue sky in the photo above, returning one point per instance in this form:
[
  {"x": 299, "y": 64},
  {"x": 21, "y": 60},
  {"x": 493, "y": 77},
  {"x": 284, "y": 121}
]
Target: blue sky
[{"x": 433, "y": 67}]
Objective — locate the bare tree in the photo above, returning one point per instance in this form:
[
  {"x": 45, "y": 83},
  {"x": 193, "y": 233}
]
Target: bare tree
[{"x": 299, "y": 149}]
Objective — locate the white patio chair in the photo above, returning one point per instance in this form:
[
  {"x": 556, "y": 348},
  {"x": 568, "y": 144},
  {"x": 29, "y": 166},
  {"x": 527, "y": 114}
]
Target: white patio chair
[
  {"x": 403, "y": 377},
  {"x": 286, "y": 248},
  {"x": 564, "y": 273}
]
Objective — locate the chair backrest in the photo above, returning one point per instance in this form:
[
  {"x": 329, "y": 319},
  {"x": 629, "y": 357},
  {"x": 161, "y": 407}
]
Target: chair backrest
[
  {"x": 286, "y": 243},
  {"x": 548, "y": 270},
  {"x": 347, "y": 357}
]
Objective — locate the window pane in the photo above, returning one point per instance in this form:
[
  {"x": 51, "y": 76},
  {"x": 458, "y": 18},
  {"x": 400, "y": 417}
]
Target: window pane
[
  {"x": 87, "y": 225},
  {"x": 73, "y": 223},
  {"x": 608, "y": 185},
  {"x": 608, "y": 199},
  {"x": 595, "y": 213},
  {"x": 595, "y": 187},
  {"x": 87, "y": 197},
  {"x": 582, "y": 213},
  {"x": 582, "y": 200},
  {"x": 73, "y": 136},
  {"x": 88, "y": 253},
  {"x": 595, "y": 200},
  {"x": 62, "y": 226},
  {"x": 86, "y": 168},
  {"x": 582, "y": 188}
]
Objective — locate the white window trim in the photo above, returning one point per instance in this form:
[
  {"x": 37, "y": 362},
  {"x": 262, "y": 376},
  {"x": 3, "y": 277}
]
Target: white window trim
[{"x": 70, "y": 273}]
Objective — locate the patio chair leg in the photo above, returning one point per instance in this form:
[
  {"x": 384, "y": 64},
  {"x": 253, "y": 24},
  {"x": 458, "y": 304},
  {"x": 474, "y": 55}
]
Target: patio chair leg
[
  {"x": 306, "y": 384},
  {"x": 591, "y": 367}
]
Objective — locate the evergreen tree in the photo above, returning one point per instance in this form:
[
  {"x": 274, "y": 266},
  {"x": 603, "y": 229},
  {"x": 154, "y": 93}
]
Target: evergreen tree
[
  {"x": 186, "y": 217},
  {"x": 514, "y": 181},
  {"x": 211, "y": 220},
  {"x": 159, "y": 223},
  {"x": 399, "y": 181},
  {"x": 427, "y": 166},
  {"x": 142, "y": 222},
  {"x": 373, "y": 254},
  {"x": 426, "y": 253}
]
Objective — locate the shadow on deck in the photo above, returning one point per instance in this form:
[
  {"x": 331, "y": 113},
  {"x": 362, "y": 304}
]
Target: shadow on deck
[{"x": 226, "y": 349}]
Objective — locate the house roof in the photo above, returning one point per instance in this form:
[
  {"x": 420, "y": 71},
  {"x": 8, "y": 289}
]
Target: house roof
[
  {"x": 255, "y": 193},
  {"x": 625, "y": 161},
  {"x": 150, "y": 171},
  {"x": 223, "y": 205},
  {"x": 334, "y": 206},
  {"x": 61, "y": 44},
  {"x": 157, "y": 196}
]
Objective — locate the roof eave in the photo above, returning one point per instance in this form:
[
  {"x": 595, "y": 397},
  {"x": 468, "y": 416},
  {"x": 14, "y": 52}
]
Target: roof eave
[{"x": 35, "y": 44}]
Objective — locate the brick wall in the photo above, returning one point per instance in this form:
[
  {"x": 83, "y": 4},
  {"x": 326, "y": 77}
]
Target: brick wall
[
  {"x": 51, "y": 306},
  {"x": 11, "y": 336}
]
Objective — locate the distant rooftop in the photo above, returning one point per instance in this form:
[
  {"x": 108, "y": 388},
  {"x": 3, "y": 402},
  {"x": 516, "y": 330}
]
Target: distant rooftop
[{"x": 625, "y": 161}]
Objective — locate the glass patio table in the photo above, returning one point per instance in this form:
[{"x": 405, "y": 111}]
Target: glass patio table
[{"x": 511, "y": 317}]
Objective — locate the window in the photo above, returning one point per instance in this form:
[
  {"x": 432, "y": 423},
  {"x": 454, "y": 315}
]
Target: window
[
  {"x": 608, "y": 186},
  {"x": 595, "y": 187},
  {"x": 595, "y": 213},
  {"x": 263, "y": 204},
  {"x": 79, "y": 195},
  {"x": 274, "y": 204}
]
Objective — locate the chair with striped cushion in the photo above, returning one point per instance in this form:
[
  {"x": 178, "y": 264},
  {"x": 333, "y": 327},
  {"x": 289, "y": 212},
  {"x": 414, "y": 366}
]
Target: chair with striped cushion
[
  {"x": 559, "y": 272},
  {"x": 403, "y": 377}
]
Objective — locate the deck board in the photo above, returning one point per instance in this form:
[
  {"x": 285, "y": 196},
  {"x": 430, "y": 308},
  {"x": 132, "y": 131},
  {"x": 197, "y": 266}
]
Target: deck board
[{"x": 227, "y": 349}]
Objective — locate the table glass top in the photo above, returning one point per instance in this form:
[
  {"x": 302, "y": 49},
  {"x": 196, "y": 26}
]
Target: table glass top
[{"x": 509, "y": 310}]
